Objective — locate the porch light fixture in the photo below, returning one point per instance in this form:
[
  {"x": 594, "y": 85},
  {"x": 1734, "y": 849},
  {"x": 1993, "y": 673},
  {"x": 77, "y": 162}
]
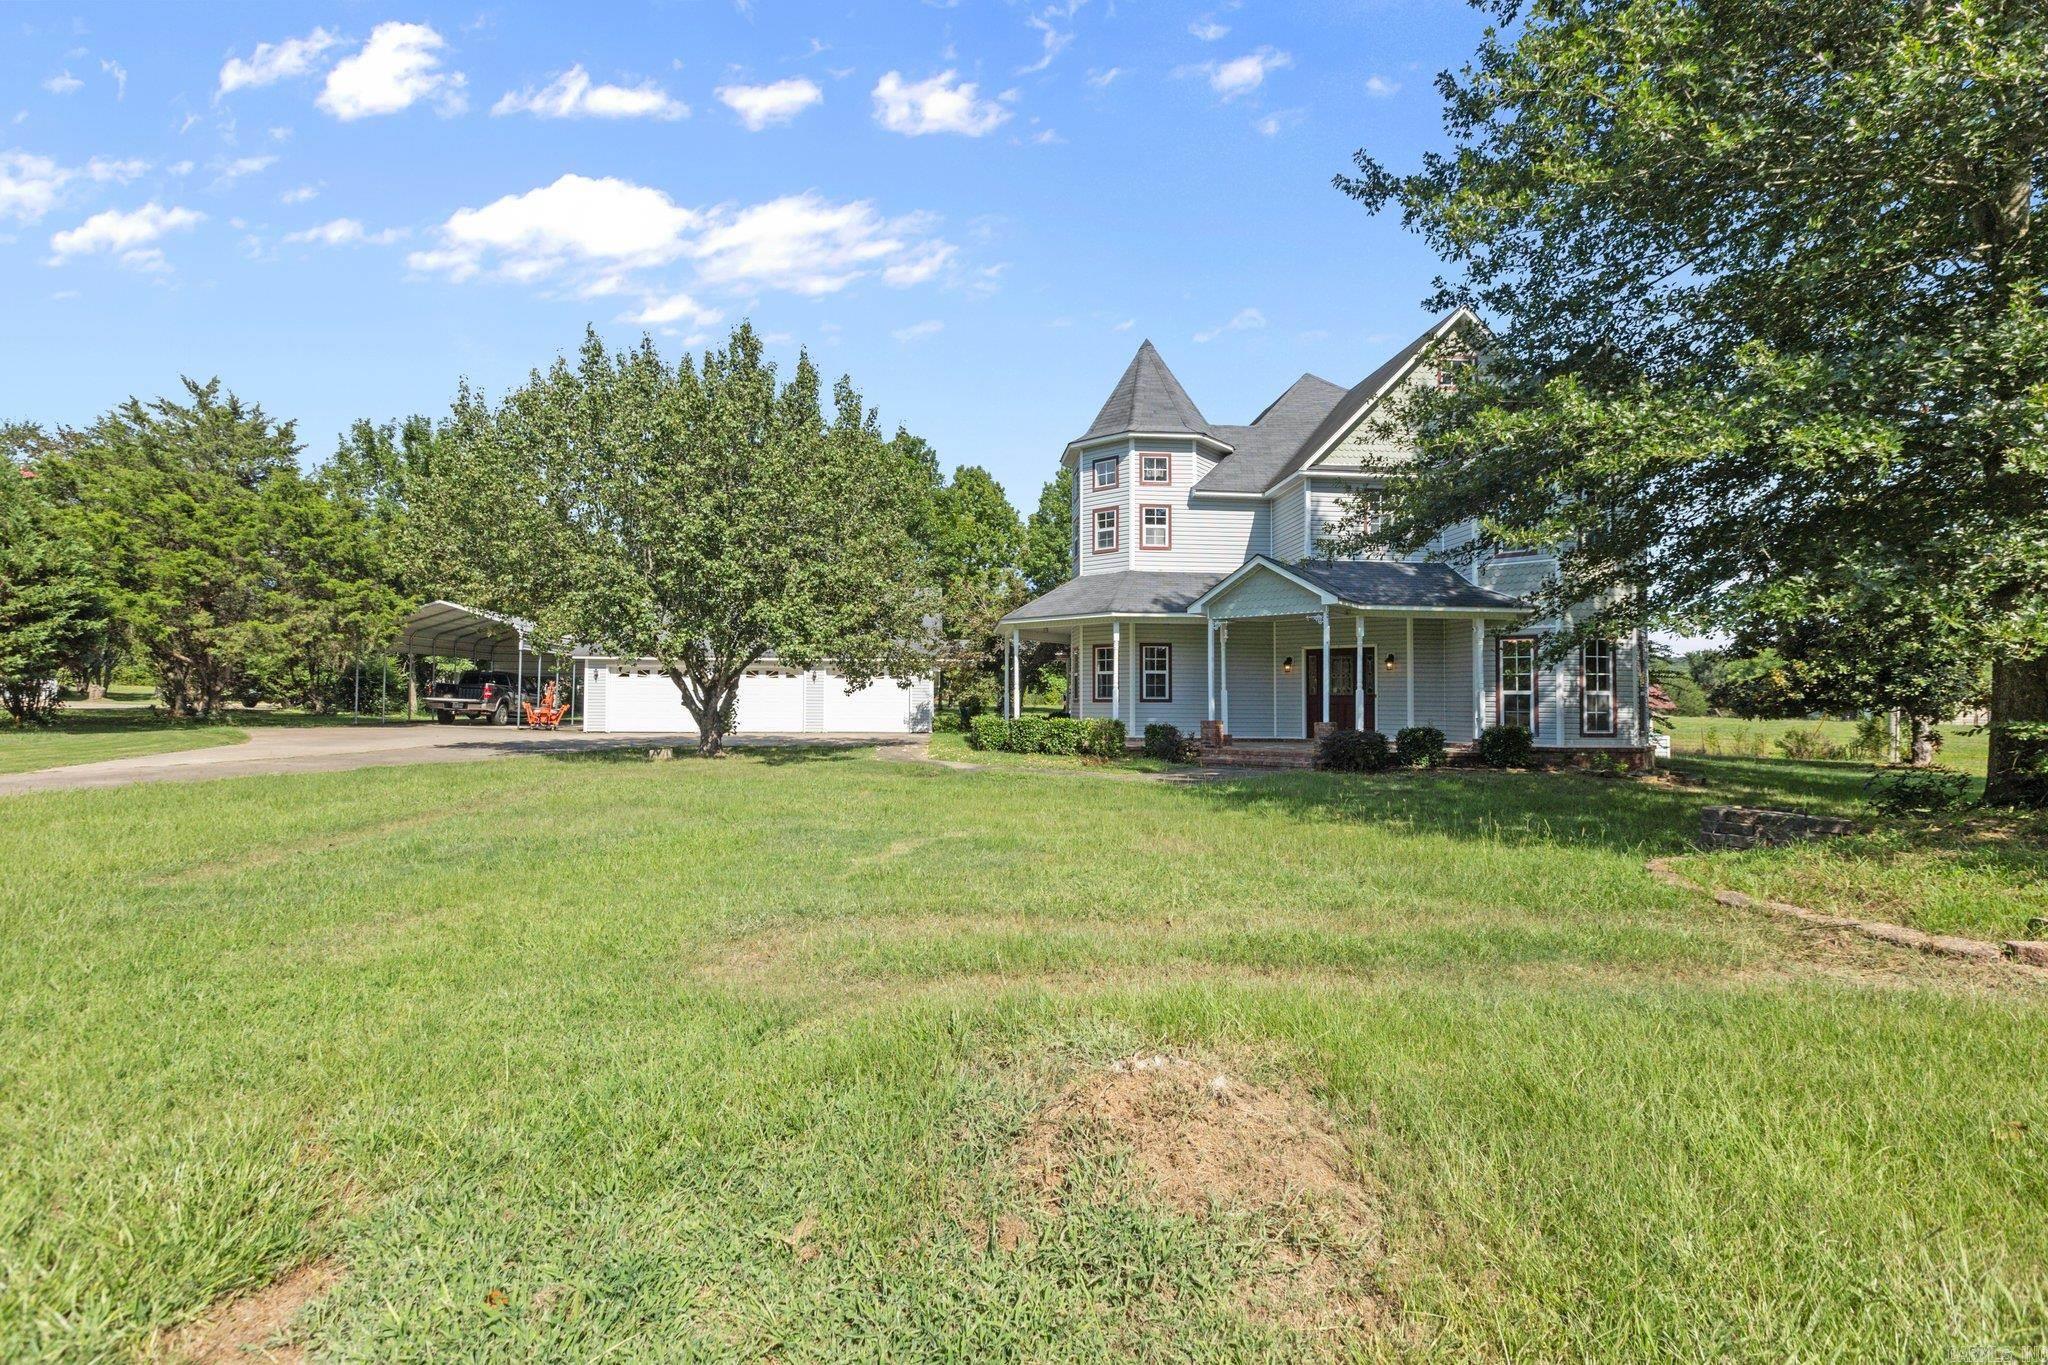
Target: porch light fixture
[
  {"x": 1287, "y": 664},
  {"x": 1390, "y": 663}
]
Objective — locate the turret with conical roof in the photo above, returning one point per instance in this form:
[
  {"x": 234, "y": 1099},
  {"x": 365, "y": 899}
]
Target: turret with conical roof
[{"x": 1149, "y": 399}]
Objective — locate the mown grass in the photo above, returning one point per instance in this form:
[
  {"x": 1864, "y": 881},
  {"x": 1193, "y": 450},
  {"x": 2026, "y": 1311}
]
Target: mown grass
[
  {"x": 1964, "y": 748},
  {"x": 581, "y": 1057},
  {"x": 77, "y": 736}
]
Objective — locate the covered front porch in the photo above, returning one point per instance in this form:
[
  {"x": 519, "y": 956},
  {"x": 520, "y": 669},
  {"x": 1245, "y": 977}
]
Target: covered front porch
[{"x": 1273, "y": 652}]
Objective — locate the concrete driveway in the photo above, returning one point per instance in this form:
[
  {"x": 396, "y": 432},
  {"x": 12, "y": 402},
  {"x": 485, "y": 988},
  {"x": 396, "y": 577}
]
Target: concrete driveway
[{"x": 333, "y": 748}]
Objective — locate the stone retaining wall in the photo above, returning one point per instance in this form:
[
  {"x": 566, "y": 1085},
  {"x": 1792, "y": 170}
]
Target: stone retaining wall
[{"x": 1747, "y": 826}]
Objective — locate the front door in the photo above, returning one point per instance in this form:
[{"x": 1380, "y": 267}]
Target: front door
[{"x": 1343, "y": 675}]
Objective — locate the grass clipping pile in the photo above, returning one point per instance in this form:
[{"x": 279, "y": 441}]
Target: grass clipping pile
[{"x": 1206, "y": 1144}]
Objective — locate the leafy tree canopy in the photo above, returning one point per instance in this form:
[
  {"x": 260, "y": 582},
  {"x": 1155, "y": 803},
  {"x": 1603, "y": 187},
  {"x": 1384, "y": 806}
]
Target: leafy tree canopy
[
  {"x": 52, "y": 610},
  {"x": 1049, "y": 535},
  {"x": 1768, "y": 281}
]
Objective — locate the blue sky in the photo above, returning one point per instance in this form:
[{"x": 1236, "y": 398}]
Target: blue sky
[{"x": 976, "y": 210}]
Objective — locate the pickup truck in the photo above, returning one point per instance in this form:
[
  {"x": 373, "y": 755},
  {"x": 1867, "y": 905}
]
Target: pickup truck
[{"x": 479, "y": 695}]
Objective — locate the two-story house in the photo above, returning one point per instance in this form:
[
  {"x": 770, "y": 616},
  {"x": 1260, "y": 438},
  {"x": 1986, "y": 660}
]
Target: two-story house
[{"x": 1201, "y": 596}]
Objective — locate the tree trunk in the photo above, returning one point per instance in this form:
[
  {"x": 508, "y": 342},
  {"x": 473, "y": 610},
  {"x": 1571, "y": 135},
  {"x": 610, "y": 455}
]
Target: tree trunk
[
  {"x": 2017, "y": 774},
  {"x": 1925, "y": 737}
]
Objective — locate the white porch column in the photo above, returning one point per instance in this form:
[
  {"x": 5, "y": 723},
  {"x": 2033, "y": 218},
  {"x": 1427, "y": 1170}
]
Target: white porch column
[
  {"x": 1003, "y": 699},
  {"x": 1016, "y": 673},
  {"x": 1116, "y": 669},
  {"x": 1408, "y": 671},
  {"x": 1478, "y": 676},
  {"x": 1209, "y": 635},
  {"x": 1358, "y": 675},
  {"x": 1326, "y": 665},
  {"x": 1224, "y": 633},
  {"x": 1074, "y": 671},
  {"x": 1131, "y": 726}
]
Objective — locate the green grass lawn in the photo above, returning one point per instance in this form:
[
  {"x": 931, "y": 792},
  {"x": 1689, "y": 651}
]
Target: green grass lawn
[
  {"x": 569, "y": 1058},
  {"x": 84, "y": 736},
  {"x": 1963, "y": 747}
]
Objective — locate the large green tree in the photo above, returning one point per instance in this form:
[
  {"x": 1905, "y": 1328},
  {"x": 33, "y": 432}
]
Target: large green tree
[
  {"x": 1768, "y": 285},
  {"x": 1049, "y": 535},
  {"x": 52, "y": 611},
  {"x": 705, "y": 515},
  {"x": 976, "y": 544}
]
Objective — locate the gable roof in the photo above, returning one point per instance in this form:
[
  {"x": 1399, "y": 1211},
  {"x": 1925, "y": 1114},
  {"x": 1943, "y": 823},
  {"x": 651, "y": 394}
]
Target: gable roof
[
  {"x": 1258, "y": 450},
  {"x": 1126, "y": 592},
  {"x": 1148, "y": 398},
  {"x": 1385, "y": 583}
]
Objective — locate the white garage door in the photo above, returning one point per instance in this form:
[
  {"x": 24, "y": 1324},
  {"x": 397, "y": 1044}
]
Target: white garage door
[
  {"x": 639, "y": 699},
  {"x": 771, "y": 703},
  {"x": 882, "y": 707}
]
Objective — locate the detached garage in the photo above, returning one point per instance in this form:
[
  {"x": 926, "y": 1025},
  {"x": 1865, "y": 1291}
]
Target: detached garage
[
  {"x": 624, "y": 696},
  {"x": 627, "y": 697}
]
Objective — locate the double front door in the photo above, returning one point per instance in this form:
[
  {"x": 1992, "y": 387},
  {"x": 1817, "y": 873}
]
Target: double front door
[{"x": 1342, "y": 673}]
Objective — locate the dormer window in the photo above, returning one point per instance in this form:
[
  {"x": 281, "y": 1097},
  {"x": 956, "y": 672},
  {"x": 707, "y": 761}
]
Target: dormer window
[
  {"x": 1106, "y": 472},
  {"x": 1155, "y": 469}
]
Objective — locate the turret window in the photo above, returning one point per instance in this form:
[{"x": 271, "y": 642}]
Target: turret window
[
  {"x": 1105, "y": 529},
  {"x": 1155, "y": 528},
  {"x": 1155, "y": 469},
  {"x": 1106, "y": 472}
]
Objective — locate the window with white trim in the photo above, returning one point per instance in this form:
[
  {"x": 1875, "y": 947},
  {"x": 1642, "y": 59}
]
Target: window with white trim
[
  {"x": 1156, "y": 469},
  {"x": 1105, "y": 672},
  {"x": 1155, "y": 672},
  {"x": 1596, "y": 687},
  {"x": 1155, "y": 528},
  {"x": 1105, "y": 472},
  {"x": 1518, "y": 683},
  {"x": 1105, "y": 529}
]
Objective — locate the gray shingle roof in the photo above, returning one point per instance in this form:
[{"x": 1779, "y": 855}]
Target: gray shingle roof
[
  {"x": 1348, "y": 409},
  {"x": 1390, "y": 583},
  {"x": 1148, "y": 398},
  {"x": 1125, "y": 593},
  {"x": 1260, "y": 449}
]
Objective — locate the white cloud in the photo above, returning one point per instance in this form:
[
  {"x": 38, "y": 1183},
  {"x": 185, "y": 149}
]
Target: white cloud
[
  {"x": 120, "y": 75},
  {"x": 759, "y": 106},
  {"x": 939, "y": 105},
  {"x": 1246, "y": 320},
  {"x": 1276, "y": 122},
  {"x": 29, "y": 185},
  {"x": 596, "y": 234},
  {"x": 573, "y": 95},
  {"x": 180, "y": 168},
  {"x": 1381, "y": 86},
  {"x": 344, "y": 232},
  {"x": 1101, "y": 79},
  {"x": 148, "y": 260},
  {"x": 1242, "y": 75},
  {"x": 576, "y": 219},
  {"x": 128, "y": 234},
  {"x": 302, "y": 194},
  {"x": 106, "y": 169},
  {"x": 1052, "y": 43},
  {"x": 1126, "y": 325},
  {"x": 230, "y": 171},
  {"x": 398, "y": 67},
  {"x": 919, "y": 266},
  {"x": 63, "y": 83},
  {"x": 674, "y": 308},
  {"x": 273, "y": 62},
  {"x": 918, "y": 331},
  {"x": 1208, "y": 30}
]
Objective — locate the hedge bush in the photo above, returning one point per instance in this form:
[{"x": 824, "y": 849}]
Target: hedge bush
[
  {"x": 1917, "y": 791},
  {"x": 1103, "y": 738},
  {"x": 988, "y": 732},
  {"x": 1167, "y": 742},
  {"x": 1421, "y": 746},
  {"x": 1063, "y": 736},
  {"x": 1027, "y": 735},
  {"x": 1507, "y": 746},
  {"x": 1354, "y": 751}
]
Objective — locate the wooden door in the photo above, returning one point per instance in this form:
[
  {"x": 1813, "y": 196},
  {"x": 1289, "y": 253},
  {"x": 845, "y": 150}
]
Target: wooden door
[{"x": 1344, "y": 679}]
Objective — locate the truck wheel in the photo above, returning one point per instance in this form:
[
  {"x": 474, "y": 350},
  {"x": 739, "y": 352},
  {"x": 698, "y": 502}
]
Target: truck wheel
[
  {"x": 502, "y": 716},
  {"x": 444, "y": 718}
]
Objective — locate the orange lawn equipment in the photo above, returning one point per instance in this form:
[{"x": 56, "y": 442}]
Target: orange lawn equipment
[{"x": 548, "y": 715}]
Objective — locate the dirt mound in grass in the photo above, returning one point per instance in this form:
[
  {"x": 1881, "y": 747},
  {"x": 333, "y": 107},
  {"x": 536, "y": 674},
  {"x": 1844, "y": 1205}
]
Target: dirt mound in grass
[
  {"x": 251, "y": 1327},
  {"x": 1205, "y": 1141}
]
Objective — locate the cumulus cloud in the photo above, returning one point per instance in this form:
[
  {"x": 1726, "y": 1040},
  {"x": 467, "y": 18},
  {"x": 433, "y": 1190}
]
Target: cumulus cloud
[
  {"x": 595, "y": 235},
  {"x": 115, "y": 170},
  {"x": 574, "y": 95},
  {"x": 657, "y": 312},
  {"x": 299, "y": 195},
  {"x": 760, "y": 106},
  {"x": 1245, "y": 320},
  {"x": 1381, "y": 86},
  {"x": 941, "y": 104},
  {"x": 344, "y": 232},
  {"x": 30, "y": 185},
  {"x": 397, "y": 68},
  {"x": 127, "y": 235},
  {"x": 1242, "y": 75},
  {"x": 228, "y": 172},
  {"x": 274, "y": 62},
  {"x": 1273, "y": 124},
  {"x": 1208, "y": 30},
  {"x": 63, "y": 83}
]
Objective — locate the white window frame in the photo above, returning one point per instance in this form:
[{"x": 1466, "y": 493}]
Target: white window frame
[
  {"x": 1114, "y": 526},
  {"x": 1147, "y": 672},
  {"x": 1145, "y": 526},
  {"x": 1114, "y": 464},
  {"x": 1608, "y": 695},
  {"x": 1145, "y": 478},
  {"x": 1104, "y": 688},
  {"x": 1502, "y": 692}
]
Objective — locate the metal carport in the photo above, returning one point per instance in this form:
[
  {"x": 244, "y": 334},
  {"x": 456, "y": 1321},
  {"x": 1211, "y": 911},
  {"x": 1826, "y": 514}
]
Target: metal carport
[{"x": 490, "y": 640}]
